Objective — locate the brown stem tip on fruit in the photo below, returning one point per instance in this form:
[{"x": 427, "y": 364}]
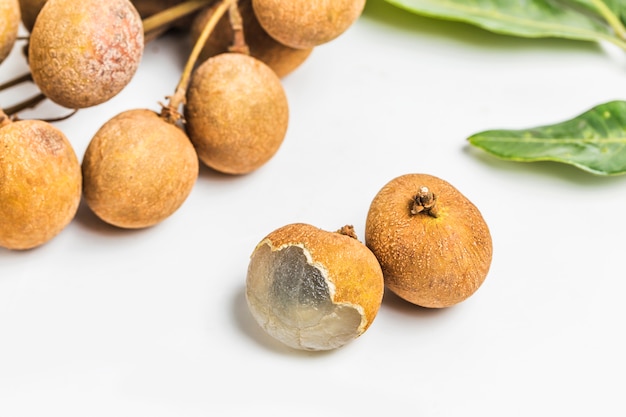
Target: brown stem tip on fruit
[
  {"x": 424, "y": 202},
  {"x": 348, "y": 230}
]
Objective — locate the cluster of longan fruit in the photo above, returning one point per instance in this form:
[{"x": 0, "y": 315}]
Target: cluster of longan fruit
[
  {"x": 229, "y": 110},
  {"x": 309, "y": 288}
]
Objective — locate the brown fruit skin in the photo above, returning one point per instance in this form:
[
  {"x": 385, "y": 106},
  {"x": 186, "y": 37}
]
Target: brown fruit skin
[
  {"x": 429, "y": 261},
  {"x": 29, "y": 10},
  {"x": 82, "y": 53},
  {"x": 236, "y": 113},
  {"x": 138, "y": 169},
  {"x": 9, "y": 25},
  {"x": 306, "y": 23},
  {"x": 40, "y": 183},
  {"x": 281, "y": 58}
]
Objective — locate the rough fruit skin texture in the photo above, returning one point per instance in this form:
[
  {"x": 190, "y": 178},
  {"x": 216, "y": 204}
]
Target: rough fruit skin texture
[
  {"x": 236, "y": 113},
  {"x": 307, "y": 23},
  {"x": 40, "y": 183},
  {"x": 350, "y": 300},
  {"x": 83, "y": 53},
  {"x": 281, "y": 58},
  {"x": 429, "y": 261},
  {"x": 138, "y": 169},
  {"x": 9, "y": 25}
]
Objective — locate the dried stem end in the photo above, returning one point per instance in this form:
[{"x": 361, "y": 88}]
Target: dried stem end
[
  {"x": 424, "y": 202},
  {"x": 348, "y": 230}
]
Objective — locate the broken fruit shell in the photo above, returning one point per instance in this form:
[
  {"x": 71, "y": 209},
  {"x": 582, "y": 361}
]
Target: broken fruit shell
[{"x": 313, "y": 289}]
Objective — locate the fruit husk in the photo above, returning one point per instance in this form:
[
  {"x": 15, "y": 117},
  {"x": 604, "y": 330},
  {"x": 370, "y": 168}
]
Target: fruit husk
[
  {"x": 432, "y": 259},
  {"x": 348, "y": 264}
]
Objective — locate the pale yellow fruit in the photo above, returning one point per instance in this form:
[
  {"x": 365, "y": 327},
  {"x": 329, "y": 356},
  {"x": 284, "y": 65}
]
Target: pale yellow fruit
[
  {"x": 40, "y": 183},
  {"x": 312, "y": 289},
  {"x": 433, "y": 244},
  {"x": 83, "y": 53},
  {"x": 138, "y": 169},
  {"x": 306, "y": 23}
]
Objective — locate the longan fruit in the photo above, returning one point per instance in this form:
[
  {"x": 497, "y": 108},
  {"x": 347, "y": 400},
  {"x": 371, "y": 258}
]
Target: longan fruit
[
  {"x": 40, "y": 183},
  {"x": 138, "y": 169},
  {"x": 9, "y": 26},
  {"x": 306, "y": 23},
  {"x": 313, "y": 289},
  {"x": 236, "y": 113},
  {"x": 281, "y": 58},
  {"x": 83, "y": 53},
  {"x": 433, "y": 244}
]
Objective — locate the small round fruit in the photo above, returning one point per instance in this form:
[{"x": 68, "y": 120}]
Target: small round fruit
[
  {"x": 306, "y": 23},
  {"x": 40, "y": 183},
  {"x": 9, "y": 26},
  {"x": 236, "y": 113},
  {"x": 281, "y": 58},
  {"x": 82, "y": 53},
  {"x": 138, "y": 169},
  {"x": 433, "y": 244},
  {"x": 312, "y": 289}
]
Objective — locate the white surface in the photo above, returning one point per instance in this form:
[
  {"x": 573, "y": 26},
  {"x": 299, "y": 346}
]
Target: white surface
[{"x": 106, "y": 322}]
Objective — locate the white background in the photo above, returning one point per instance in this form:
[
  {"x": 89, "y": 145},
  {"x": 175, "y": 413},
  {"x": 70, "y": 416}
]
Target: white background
[{"x": 107, "y": 322}]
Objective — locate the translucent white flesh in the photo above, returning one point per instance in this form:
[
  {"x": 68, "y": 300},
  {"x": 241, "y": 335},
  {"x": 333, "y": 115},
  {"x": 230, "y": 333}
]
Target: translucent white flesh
[{"x": 292, "y": 301}]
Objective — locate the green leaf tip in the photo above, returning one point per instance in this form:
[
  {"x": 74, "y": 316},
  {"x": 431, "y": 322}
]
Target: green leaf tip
[{"x": 594, "y": 141}]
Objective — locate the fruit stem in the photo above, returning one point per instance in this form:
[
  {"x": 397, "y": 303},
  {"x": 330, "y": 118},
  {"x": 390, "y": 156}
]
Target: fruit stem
[
  {"x": 236, "y": 22},
  {"x": 26, "y": 104},
  {"x": 424, "y": 202},
  {"x": 16, "y": 81},
  {"x": 170, "y": 112},
  {"x": 164, "y": 19},
  {"x": 348, "y": 230}
]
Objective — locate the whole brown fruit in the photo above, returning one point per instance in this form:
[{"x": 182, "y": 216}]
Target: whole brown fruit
[
  {"x": 306, "y": 23},
  {"x": 9, "y": 25},
  {"x": 281, "y": 58},
  {"x": 82, "y": 53},
  {"x": 236, "y": 113},
  {"x": 138, "y": 169},
  {"x": 40, "y": 183},
  {"x": 433, "y": 244}
]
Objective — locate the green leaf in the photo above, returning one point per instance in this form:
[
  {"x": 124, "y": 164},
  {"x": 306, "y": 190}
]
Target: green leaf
[
  {"x": 526, "y": 18},
  {"x": 594, "y": 141}
]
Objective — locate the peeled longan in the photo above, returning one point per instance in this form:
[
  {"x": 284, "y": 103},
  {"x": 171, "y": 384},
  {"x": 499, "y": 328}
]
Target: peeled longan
[
  {"x": 138, "y": 169},
  {"x": 40, "y": 183},
  {"x": 281, "y": 58},
  {"x": 433, "y": 244},
  {"x": 83, "y": 53},
  {"x": 313, "y": 289},
  {"x": 9, "y": 25},
  {"x": 236, "y": 113},
  {"x": 306, "y": 23}
]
